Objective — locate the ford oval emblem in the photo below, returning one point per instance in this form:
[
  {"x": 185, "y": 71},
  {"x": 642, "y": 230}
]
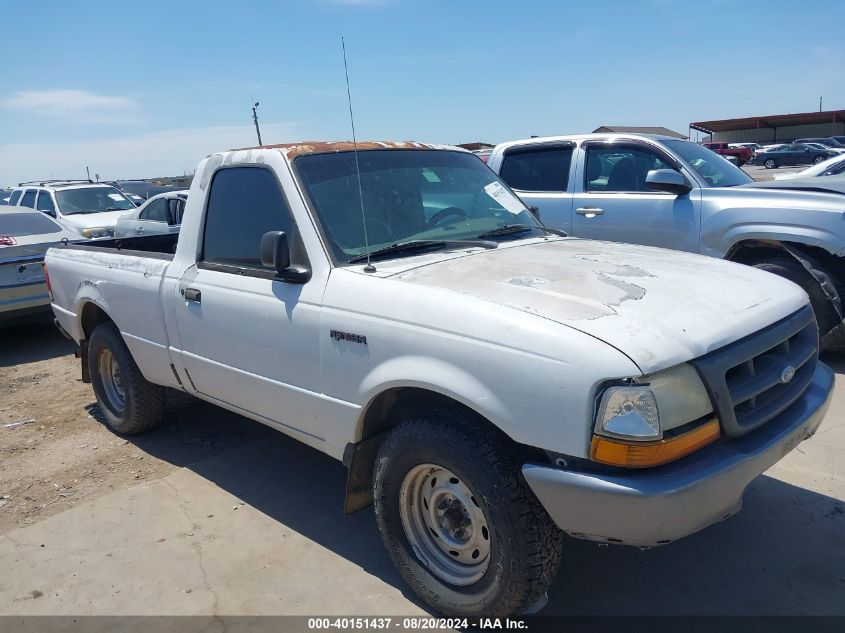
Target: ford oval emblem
[{"x": 787, "y": 374}]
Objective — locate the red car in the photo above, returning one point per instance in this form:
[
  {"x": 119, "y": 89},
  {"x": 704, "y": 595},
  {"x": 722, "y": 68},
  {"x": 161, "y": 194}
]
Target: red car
[{"x": 742, "y": 154}]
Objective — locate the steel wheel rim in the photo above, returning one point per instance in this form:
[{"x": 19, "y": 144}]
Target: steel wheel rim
[
  {"x": 112, "y": 380},
  {"x": 444, "y": 525}
]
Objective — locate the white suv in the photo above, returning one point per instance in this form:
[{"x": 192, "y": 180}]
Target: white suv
[{"x": 90, "y": 208}]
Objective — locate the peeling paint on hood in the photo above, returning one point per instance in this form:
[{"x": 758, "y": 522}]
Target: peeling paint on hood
[{"x": 659, "y": 307}]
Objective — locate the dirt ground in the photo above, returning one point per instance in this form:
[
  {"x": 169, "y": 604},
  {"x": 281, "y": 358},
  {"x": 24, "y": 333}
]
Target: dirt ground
[{"x": 67, "y": 455}]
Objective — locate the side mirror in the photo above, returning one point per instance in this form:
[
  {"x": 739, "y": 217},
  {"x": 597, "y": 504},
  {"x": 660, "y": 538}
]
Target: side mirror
[
  {"x": 275, "y": 254},
  {"x": 668, "y": 181}
]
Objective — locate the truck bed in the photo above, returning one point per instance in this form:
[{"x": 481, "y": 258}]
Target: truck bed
[{"x": 157, "y": 246}]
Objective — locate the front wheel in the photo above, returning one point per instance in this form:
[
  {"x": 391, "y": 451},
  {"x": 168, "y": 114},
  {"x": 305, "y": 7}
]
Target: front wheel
[
  {"x": 770, "y": 163},
  {"x": 462, "y": 527},
  {"x": 129, "y": 403},
  {"x": 790, "y": 269}
]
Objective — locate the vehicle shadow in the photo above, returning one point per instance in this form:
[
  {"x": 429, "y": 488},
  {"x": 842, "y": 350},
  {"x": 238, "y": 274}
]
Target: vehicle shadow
[
  {"x": 294, "y": 484},
  {"x": 783, "y": 554},
  {"x": 32, "y": 342}
]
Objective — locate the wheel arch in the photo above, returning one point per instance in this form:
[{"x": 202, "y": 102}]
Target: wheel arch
[
  {"x": 826, "y": 268},
  {"x": 91, "y": 314},
  {"x": 384, "y": 411}
]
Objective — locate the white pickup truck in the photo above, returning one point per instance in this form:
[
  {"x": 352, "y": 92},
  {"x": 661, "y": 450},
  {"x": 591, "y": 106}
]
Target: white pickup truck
[{"x": 490, "y": 384}]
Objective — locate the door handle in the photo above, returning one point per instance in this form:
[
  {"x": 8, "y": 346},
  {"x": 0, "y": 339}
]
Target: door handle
[
  {"x": 589, "y": 212},
  {"x": 139, "y": 230},
  {"x": 192, "y": 294}
]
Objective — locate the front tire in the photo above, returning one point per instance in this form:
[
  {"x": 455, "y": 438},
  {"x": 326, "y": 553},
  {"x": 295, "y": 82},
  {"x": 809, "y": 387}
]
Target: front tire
[
  {"x": 460, "y": 524},
  {"x": 129, "y": 402},
  {"x": 770, "y": 163},
  {"x": 793, "y": 271}
]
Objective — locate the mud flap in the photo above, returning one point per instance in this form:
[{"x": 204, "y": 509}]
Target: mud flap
[
  {"x": 826, "y": 283},
  {"x": 359, "y": 459},
  {"x": 834, "y": 341},
  {"x": 82, "y": 354}
]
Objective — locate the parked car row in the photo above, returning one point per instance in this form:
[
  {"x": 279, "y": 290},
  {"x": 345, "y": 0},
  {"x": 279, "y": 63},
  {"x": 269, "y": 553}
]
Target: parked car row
[
  {"x": 793, "y": 154},
  {"x": 25, "y": 235}
]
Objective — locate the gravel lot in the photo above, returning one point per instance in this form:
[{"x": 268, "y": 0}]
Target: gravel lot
[
  {"x": 213, "y": 514},
  {"x": 761, "y": 173},
  {"x": 67, "y": 456}
]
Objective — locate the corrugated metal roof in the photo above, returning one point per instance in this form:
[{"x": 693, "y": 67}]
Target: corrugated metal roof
[
  {"x": 770, "y": 121},
  {"x": 635, "y": 129}
]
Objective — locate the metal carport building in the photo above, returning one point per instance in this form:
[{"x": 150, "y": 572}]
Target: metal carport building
[{"x": 775, "y": 128}]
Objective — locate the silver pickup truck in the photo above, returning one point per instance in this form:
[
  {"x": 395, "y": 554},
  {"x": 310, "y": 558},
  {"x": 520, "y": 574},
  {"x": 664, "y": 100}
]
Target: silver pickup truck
[
  {"x": 489, "y": 384},
  {"x": 662, "y": 191}
]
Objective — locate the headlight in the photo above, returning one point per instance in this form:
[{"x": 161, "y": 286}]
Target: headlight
[
  {"x": 630, "y": 413},
  {"x": 653, "y": 404},
  {"x": 99, "y": 231},
  {"x": 647, "y": 421}
]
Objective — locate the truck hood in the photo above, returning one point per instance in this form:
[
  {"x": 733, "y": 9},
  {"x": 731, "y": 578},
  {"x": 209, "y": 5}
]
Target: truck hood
[
  {"x": 656, "y": 306},
  {"x": 81, "y": 221}
]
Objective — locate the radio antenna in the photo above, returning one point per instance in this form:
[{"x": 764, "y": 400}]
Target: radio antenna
[{"x": 369, "y": 268}]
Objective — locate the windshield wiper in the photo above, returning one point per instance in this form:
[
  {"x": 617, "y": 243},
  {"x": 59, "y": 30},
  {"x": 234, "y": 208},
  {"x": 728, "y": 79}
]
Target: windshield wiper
[
  {"x": 513, "y": 229},
  {"x": 419, "y": 245}
]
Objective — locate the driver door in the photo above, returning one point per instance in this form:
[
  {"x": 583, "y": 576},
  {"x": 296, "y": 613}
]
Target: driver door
[
  {"x": 248, "y": 339},
  {"x": 612, "y": 201}
]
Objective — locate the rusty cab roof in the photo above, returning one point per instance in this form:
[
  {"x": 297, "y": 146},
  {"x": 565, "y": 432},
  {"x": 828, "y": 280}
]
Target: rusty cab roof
[{"x": 302, "y": 148}]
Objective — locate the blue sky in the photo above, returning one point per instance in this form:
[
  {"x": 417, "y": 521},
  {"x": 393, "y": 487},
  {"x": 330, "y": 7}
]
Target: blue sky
[{"x": 145, "y": 88}]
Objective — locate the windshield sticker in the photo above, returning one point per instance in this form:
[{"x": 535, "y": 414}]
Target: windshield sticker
[
  {"x": 430, "y": 176},
  {"x": 116, "y": 196},
  {"x": 505, "y": 198}
]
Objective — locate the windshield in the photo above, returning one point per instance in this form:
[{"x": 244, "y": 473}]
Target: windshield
[
  {"x": 407, "y": 195},
  {"x": 92, "y": 200},
  {"x": 713, "y": 168}
]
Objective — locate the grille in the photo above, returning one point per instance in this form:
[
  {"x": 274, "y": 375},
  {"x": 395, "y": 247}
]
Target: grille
[{"x": 754, "y": 379}]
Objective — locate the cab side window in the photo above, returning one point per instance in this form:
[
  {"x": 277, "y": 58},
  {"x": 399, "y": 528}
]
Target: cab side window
[
  {"x": 244, "y": 203},
  {"x": 620, "y": 169},
  {"x": 28, "y": 199},
  {"x": 15, "y": 198},
  {"x": 45, "y": 203},
  {"x": 538, "y": 169},
  {"x": 156, "y": 211}
]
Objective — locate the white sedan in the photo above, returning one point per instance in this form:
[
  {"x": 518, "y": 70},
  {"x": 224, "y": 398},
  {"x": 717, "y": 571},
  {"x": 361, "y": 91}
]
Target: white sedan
[
  {"x": 159, "y": 215},
  {"x": 830, "y": 167}
]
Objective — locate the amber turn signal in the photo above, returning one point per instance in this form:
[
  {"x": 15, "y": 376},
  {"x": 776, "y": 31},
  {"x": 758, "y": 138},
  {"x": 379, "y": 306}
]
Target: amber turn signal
[{"x": 645, "y": 454}]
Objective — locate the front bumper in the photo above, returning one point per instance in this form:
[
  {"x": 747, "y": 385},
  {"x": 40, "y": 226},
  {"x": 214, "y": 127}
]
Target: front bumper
[{"x": 657, "y": 506}]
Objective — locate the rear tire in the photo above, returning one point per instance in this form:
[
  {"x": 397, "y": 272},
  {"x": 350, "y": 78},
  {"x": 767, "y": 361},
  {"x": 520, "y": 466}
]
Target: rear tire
[
  {"x": 793, "y": 271},
  {"x": 129, "y": 402},
  {"x": 818, "y": 159},
  {"x": 484, "y": 545},
  {"x": 770, "y": 163}
]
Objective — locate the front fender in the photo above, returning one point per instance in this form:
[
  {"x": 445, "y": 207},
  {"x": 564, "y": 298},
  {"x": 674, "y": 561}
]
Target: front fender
[
  {"x": 733, "y": 215},
  {"x": 433, "y": 375}
]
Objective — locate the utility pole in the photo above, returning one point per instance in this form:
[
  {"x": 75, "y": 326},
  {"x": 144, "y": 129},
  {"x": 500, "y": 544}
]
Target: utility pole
[
  {"x": 820, "y": 104},
  {"x": 255, "y": 120}
]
